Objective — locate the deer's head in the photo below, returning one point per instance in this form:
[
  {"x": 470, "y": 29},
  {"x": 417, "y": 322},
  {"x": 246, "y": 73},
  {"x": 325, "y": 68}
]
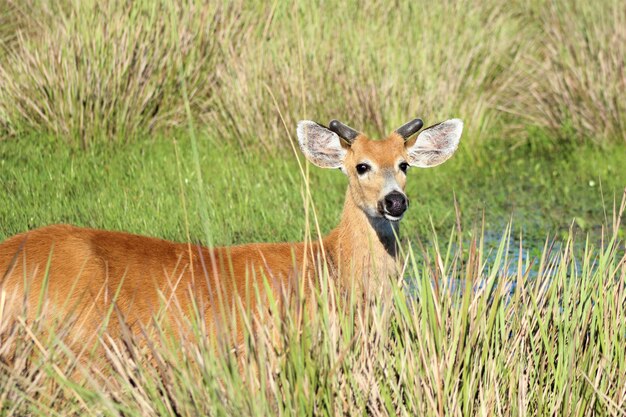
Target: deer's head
[{"x": 377, "y": 169}]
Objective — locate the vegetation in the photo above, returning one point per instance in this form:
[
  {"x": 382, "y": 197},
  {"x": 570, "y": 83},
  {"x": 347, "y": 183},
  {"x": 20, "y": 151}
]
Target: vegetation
[
  {"x": 94, "y": 71},
  {"x": 250, "y": 197},
  {"x": 489, "y": 341},
  {"x": 176, "y": 119}
]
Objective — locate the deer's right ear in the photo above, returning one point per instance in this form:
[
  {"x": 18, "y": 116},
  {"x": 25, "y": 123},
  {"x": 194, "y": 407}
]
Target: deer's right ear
[{"x": 320, "y": 145}]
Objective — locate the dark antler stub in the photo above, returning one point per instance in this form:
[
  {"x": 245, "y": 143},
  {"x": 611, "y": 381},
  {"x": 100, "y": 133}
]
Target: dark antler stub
[
  {"x": 410, "y": 128},
  {"x": 344, "y": 131}
]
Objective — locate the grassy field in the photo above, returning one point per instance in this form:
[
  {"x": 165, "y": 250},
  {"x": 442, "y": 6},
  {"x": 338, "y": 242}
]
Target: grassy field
[
  {"x": 251, "y": 196},
  {"x": 176, "y": 119}
]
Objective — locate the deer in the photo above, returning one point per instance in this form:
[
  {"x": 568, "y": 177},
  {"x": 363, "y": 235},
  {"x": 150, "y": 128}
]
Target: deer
[{"x": 83, "y": 271}]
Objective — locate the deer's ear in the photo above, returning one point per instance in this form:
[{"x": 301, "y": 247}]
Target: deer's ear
[
  {"x": 320, "y": 145},
  {"x": 435, "y": 144}
]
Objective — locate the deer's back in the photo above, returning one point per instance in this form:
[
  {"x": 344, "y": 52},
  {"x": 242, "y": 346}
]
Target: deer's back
[{"x": 88, "y": 269}]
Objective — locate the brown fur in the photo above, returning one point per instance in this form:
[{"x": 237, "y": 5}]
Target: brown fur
[{"x": 88, "y": 267}]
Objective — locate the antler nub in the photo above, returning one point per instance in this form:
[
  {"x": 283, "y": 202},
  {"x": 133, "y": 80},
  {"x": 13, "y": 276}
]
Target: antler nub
[
  {"x": 410, "y": 128},
  {"x": 344, "y": 131}
]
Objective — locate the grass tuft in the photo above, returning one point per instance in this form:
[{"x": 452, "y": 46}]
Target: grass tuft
[
  {"x": 572, "y": 86},
  {"x": 108, "y": 71}
]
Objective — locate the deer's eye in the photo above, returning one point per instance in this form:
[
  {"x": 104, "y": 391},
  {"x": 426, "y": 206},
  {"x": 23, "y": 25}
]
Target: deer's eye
[
  {"x": 403, "y": 166},
  {"x": 362, "y": 168}
]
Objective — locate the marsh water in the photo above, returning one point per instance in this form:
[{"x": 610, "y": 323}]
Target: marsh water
[{"x": 511, "y": 258}]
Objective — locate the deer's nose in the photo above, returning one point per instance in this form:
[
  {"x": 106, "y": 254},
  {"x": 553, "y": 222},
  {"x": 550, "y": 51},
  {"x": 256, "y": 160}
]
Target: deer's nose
[{"x": 395, "y": 204}]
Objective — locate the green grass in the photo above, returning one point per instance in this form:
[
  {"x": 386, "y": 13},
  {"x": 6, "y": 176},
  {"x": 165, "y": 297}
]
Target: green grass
[{"x": 252, "y": 196}]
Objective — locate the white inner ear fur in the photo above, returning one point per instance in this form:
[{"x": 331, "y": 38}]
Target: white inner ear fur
[
  {"x": 320, "y": 145},
  {"x": 436, "y": 144}
]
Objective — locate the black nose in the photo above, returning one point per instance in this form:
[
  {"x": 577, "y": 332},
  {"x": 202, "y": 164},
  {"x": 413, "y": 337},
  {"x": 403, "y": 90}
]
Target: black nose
[{"x": 395, "y": 203}]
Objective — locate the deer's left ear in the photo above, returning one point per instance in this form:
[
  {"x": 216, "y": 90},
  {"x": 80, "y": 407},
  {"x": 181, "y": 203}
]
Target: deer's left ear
[
  {"x": 320, "y": 145},
  {"x": 435, "y": 144}
]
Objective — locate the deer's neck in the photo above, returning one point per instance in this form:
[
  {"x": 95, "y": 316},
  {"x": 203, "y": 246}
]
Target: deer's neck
[{"x": 363, "y": 247}]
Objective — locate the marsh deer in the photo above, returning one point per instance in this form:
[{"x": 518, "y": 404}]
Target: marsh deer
[{"x": 85, "y": 270}]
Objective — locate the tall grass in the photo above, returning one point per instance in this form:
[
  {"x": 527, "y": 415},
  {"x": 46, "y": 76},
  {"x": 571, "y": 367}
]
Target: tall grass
[
  {"x": 573, "y": 86},
  {"x": 451, "y": 338},
  {"x": 372, "y": 65},
  {"x": 107, "y": 71}
]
